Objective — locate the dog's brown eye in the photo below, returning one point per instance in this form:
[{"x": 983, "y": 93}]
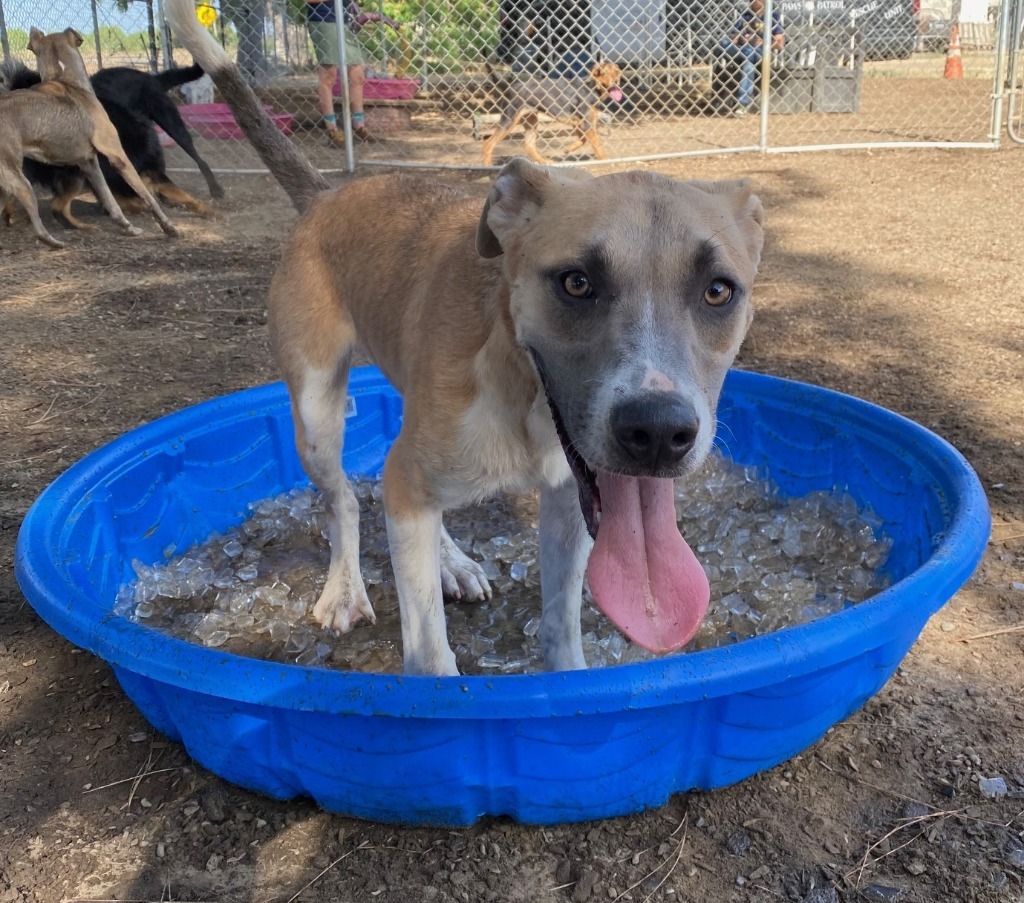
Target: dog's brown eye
[
  {"x": 718, "y": 293},
  {"x": 577, "y": 284}
]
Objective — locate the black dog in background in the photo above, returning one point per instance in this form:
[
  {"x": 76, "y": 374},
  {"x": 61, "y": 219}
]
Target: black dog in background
[{"x": 136, "y": 103}]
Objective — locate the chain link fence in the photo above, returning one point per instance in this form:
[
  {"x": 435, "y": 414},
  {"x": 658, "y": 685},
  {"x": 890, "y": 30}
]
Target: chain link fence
[{"x": 463, "y": 83}]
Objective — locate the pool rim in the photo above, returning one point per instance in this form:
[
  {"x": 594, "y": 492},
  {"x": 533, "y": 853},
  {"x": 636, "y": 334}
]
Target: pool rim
[{"x": 719, "y": 672}]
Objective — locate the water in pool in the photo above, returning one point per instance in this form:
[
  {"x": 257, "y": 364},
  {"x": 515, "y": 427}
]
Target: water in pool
[{"x": 772, "y": 562}]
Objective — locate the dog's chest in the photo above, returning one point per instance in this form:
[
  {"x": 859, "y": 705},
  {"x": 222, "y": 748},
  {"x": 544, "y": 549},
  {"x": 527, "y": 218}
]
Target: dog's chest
[{"x": 508, "y": 450}]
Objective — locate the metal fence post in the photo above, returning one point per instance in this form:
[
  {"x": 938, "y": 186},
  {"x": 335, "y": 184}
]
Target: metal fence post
[
  {"x": 766, "y": 73},
  {"x": 999, "y": 75},
  {"x": 346, "y": 115},
  {"x": 96, "y": 34}
]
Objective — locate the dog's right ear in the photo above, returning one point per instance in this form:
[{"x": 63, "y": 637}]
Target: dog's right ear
[
  {"x": 515, "y": 193},
  {"x": 516, "y": 196},
  {"x": 34, "y": 37},
  {"x": 74, "y": 37}
]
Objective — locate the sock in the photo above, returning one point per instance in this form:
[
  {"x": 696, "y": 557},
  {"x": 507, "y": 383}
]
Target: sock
[
  {"x": 358, "y": 119},
  {"x": 331, "y": 121}
]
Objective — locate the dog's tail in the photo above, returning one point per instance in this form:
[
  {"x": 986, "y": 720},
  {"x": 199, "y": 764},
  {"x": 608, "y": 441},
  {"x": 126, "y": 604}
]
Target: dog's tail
[
  {"x": 172, "y": 78},
  {"x": 292, "y": 170},
  {"x": 14, "y": 76}
]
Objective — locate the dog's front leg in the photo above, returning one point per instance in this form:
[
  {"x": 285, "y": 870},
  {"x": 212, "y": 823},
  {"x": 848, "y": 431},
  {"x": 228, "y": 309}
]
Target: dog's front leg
[
  {"x": 414, "y": 536},
  {"x": 564, "y": 549}
]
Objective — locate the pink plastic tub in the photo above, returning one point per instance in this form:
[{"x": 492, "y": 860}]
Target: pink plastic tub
[
  {"x": 386, "y": 88},
  {"x": 214, "y": 120}
]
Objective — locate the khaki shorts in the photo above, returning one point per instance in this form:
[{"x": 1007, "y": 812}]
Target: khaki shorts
[{"x": 324, "y": 36}]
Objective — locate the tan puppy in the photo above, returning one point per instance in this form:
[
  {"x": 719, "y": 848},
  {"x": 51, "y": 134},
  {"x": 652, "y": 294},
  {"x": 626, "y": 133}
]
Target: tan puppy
[
  {"x": 572, "y": 335},
  {"x": 61, "y": 121},
  {"x": 572, "y": 99}
]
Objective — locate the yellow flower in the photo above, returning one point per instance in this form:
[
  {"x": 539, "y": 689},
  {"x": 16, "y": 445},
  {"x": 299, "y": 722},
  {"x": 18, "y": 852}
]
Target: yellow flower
[{"x": 207, "y": 15}]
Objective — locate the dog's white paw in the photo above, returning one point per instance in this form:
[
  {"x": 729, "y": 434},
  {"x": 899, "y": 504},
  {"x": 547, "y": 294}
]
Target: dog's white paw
[
  {"x": 461, "y": 577},
  {"x": 342, "y": 605},
  {"x": 431, "y": 661}
]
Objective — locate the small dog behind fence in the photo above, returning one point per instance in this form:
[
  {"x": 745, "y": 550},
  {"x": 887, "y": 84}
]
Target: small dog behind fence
[{"x": 574, "y": 100}]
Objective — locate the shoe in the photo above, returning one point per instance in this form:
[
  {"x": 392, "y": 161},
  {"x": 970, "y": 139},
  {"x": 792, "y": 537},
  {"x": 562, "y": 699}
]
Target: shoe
[
  {"x": 361, "y": 135},
  {"x": 364, "y": 135},
  {"x": 740, "y": 111}
]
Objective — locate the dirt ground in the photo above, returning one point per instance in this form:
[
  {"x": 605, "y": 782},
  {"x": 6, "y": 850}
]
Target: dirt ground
[{"x": 892, "y": 275}]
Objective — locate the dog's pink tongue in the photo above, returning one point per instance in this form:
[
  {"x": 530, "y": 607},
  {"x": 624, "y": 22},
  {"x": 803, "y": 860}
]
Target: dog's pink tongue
[
  {"x": 615, "y": 94},
  {"x": 642, "y": 573}
]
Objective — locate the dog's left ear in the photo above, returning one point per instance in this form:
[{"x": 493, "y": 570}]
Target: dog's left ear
[
  {"x": 746, "y": 206},
  {"x": 517, "y": 194},
  {"x": 74, "y": 37},
  {"x": 34, "y": 37}
]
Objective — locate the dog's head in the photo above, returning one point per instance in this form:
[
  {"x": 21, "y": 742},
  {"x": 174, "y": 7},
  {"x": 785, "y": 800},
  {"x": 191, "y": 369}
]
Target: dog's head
[
  {"x": 608, "y": 78},
  {"x": 57, "y": 56},
  {"x": 630, "y": 293}
]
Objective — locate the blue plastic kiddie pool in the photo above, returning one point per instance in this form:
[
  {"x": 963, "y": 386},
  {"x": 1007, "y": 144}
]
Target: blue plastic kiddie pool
[{"x": 553, "y": 747}]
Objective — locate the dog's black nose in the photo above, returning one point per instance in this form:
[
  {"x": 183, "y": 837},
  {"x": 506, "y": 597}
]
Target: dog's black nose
[{"x": 656, "y": 429}]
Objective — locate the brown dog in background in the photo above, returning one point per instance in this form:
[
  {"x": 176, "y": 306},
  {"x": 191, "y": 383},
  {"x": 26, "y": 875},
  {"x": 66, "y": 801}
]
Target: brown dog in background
[
  {"x": 572, "y": 99},
  {"x": 61, "y": 121}
]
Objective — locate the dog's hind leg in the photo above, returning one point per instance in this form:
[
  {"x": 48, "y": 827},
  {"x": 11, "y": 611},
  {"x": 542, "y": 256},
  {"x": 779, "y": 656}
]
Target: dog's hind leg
[
  {"x": 15, "y": 182},
  {"x": 105, "y": 141},
  {"x": 492, "y": 142},
  {"x": 132, "y": 203},
  {"x": 173, "y": 194},
  {"x": 414, "y": 536},
  {"x": 92, "y": 171},
  {"x": 564, "y": 549},
  {"x": 169, "y": 119},
  {"x": 587, "y": 132},
  {"x": 505, "y": 125},
  {"x": 65, "y": 192},
  {"x": 581, "y": 140},
  {"x": 592, "y": 136},
  {"x": 461, "y": 577},
  {"x": 318, "y": 406}
]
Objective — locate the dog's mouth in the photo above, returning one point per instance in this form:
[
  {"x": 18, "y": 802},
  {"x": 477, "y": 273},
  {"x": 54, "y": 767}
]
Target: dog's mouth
[
  {"x": 586, "y": 478},
  {"x": 615, "y": 93},
  {"x": 642, "y": 573}
]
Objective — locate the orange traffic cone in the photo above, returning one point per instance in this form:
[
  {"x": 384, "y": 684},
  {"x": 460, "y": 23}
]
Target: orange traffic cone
[{"x": 954, "y": 61}]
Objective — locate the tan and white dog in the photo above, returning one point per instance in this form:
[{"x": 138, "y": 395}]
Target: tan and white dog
[{"x": 573, "y": 335}]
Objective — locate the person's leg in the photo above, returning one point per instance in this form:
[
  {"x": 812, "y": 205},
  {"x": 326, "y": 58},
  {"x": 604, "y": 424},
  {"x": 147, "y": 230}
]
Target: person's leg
[
  {"x": 326, "y": 77},
  {"x": 749, "y": 74},
  {"x": 356, "y": 84},
  {"x": 324, "y": 36},
  {"x": 726, "y": 76}
]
